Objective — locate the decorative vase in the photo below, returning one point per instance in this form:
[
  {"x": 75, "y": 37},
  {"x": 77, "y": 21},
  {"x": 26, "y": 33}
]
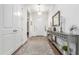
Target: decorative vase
[{"x": 64, "y": 52}]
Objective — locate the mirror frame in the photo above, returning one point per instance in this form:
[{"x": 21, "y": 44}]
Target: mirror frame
[{"x": 53, "y": 18}]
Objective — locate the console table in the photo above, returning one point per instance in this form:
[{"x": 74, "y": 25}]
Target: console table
[{"x": 69, "y": 38}]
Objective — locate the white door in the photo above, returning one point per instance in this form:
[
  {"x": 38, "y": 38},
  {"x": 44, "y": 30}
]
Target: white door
[{"x": 38, "y": 26}]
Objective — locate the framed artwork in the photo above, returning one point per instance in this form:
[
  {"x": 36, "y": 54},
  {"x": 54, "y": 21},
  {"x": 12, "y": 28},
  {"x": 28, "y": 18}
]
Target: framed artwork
[{"x": 56, "y": 19}]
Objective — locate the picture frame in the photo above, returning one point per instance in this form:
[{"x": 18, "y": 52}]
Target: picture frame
[{"x": 56, "y": 19}]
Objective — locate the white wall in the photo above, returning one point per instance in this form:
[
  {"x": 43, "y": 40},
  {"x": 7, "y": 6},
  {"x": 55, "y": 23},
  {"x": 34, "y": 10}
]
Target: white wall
[
  {"x": 38, "y": 23},
  {"x": 69, "y": 13},
  {"x": 13, "y": 28}
]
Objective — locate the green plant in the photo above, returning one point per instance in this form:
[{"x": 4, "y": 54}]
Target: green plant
[{"x": 65, "y": 48}]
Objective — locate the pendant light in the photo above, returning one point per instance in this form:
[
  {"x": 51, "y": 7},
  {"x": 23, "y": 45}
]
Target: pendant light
[{"x": 39, "y": 10}]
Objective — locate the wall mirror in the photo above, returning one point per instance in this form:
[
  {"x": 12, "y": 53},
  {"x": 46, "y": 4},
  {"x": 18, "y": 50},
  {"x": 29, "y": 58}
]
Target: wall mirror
[{"x": 56, "y": 19}]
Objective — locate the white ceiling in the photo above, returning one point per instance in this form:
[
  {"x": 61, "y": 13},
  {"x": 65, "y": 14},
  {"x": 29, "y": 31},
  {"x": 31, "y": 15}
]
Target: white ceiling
[{"x": 43, "y": 7}]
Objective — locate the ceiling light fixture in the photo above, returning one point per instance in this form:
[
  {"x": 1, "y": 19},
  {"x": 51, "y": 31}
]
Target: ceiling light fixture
[{"x": 39, "y": 10}]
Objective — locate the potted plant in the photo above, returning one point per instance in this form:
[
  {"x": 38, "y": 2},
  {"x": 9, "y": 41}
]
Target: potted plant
[{"x": 65, "y": 49}]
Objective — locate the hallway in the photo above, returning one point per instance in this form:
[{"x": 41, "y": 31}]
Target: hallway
[
  {"x": 36, "y": 46},
  {"x": 49, "y": 27}
]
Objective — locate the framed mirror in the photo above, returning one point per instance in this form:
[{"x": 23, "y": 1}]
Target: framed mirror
[{"x": 56, "y": 19}]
